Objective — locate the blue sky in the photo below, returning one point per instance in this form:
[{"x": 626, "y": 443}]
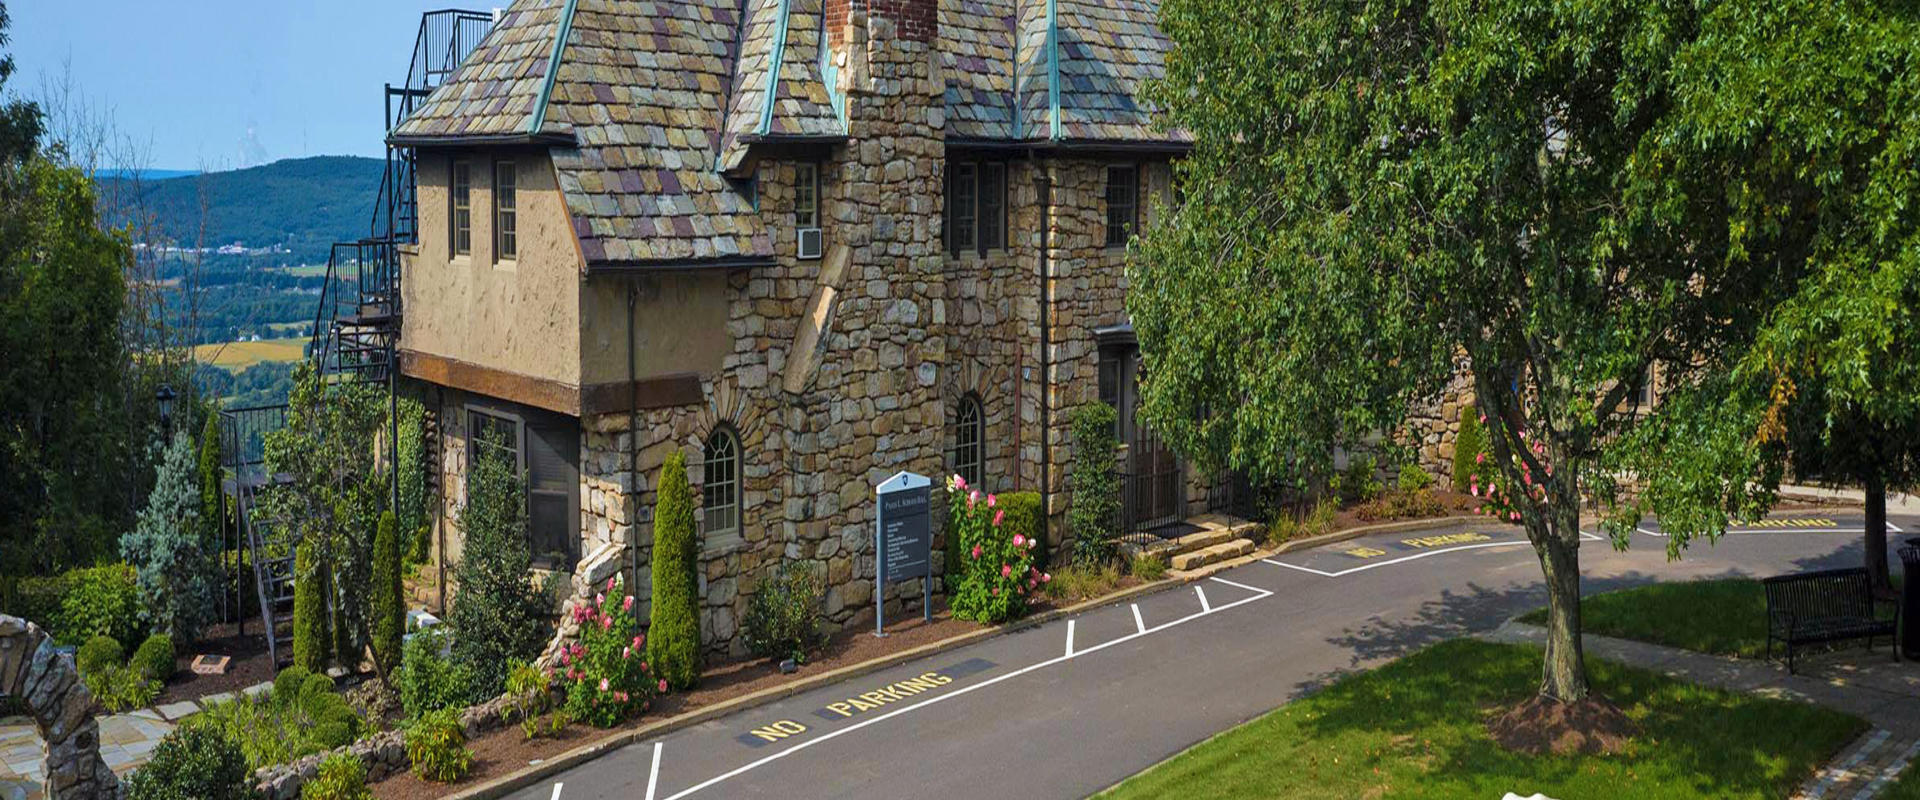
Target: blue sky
[{"x": 224, "y": 83}]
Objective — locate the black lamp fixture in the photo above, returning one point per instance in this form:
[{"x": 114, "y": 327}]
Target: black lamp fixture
[{"x": 164, "y": 398}]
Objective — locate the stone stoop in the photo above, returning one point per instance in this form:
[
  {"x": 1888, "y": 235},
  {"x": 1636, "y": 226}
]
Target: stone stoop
[
  {"x": 1219, "y": 538},
  {"x": 1232, "y": 548}
]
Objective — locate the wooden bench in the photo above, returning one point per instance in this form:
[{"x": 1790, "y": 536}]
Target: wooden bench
[{"x": 1826, "y": 606}]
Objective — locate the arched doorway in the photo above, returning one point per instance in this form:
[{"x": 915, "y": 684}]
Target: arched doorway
[{"x": 61, "y": 708}]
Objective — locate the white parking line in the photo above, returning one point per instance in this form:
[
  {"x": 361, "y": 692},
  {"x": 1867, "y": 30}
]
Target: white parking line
[
  {"x": 1069, "y": 638},
  {"x": 1138, "y": 624},
  {"x": 556, "y": 789},
  {"x": 1204, "y": 606},
  {"x": 799, "y": 746},
  {"x": 1891, "y": 528},
  {"x": 653, "y": 775},
  {"x": 1584, "y": 536}
]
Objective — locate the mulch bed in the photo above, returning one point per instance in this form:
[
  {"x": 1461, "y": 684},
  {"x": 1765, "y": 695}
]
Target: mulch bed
[
  {"x": 249, "y": 665},
  {"x": 1544, "y": 725},
  {"x": 501, "y": 752}
]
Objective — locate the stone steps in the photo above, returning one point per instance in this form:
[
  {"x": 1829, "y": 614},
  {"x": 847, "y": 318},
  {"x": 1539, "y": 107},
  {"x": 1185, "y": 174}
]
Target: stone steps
[{"x": 1232, "y": 548}]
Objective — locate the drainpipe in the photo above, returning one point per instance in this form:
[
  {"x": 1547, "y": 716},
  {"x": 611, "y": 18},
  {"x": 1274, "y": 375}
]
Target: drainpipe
[
  {"x": 633, "y": 443},
  {"x": 1043, "y": 187}
]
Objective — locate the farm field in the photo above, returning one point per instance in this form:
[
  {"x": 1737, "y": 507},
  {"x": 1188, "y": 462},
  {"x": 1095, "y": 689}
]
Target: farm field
[{"x": 240, "y": 355}]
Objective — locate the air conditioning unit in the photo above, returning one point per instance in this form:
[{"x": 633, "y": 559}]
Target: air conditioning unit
[{"x": 809, "y": 242}]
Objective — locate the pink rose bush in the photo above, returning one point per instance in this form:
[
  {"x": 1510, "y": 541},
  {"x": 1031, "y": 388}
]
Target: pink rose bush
[
  {"x": 997, "y": 575},
  {"x": 1500, "y": 498},
  {"x": 605, "y": 670}
]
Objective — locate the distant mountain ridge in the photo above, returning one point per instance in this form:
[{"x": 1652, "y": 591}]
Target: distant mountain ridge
[{"x": 305, "y": 204}]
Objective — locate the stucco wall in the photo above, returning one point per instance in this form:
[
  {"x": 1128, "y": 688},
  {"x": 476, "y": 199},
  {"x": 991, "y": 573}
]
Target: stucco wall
[
  {"x": 679, "y": 325},
  {"x": 522, "y": 316}
]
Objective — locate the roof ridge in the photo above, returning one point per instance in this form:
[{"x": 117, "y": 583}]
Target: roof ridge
[
  {"x": 562, "y": 31},
  {"x": 775, "y": 59},
  {"x": 1053, "y": 70}
]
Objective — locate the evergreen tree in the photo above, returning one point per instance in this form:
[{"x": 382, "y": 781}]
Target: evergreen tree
[
  {"x": 312, "y": 634},
  {"x": 389, "y": 598},
  {"x": 212, "y": 515},
  {"x": 673, "y": 635},
  {"x": 1093, "y": 516},
  {"x": 498, "y": 615},
  {"x": 165, "y": 550}
]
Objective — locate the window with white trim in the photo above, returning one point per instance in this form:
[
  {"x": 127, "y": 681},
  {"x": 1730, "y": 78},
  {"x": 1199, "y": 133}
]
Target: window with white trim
[
  {"x": 806, "y": 195},
  {"x": 460, "y": 221},
  {"x": 1123, "y": 204},
  {"x": 967, "y": 439},
  {"x": 720, "y": 486},
  {"x": 506, "y": 238}
]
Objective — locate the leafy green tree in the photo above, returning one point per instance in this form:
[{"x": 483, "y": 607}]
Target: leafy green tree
[
  {"x": 1093, "y": 517},
  {"x": 165, "y": 548},
  {"x": 389, "y": 596},
  {"x": 673, "y": 632},
  {"x": 1379, "y": 189},
  {"x": 312, "y": 628},
  {"x": 498, "y": 615},
  {"x": 328, "y": 448}
]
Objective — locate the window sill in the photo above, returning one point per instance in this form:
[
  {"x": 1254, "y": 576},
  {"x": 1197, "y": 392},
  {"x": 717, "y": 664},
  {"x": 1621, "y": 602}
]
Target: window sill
[
  {"x": 506, "y": 265},
  {"x": 722, "y": 545}
]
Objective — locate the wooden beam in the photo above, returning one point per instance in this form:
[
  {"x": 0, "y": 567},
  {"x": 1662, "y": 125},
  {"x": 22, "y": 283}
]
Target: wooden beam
[
  {"x": 660, "y": 391},
  {"x": 544, "y": 393}
]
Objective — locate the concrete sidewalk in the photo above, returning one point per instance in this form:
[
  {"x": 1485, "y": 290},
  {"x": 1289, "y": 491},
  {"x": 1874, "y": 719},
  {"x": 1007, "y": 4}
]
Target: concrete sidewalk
[{"x": 1867, "y": 685}]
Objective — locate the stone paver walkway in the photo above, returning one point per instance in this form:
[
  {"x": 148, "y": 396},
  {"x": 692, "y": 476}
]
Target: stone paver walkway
[
  {"x": 126, "y": 742},
  {"x": 1867, "y": 685}
]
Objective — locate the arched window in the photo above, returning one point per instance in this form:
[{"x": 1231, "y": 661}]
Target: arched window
[
  {"x": 967, "y": 458},
  {"x": 720, "y": 485}
]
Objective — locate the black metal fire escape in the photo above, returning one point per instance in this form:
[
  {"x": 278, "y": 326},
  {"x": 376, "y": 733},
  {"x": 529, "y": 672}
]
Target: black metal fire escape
[{"x": 356, "y": 327}]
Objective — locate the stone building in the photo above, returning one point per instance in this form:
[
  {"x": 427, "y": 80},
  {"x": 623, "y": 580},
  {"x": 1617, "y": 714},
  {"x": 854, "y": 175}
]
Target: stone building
[{"x": 808, "y": 243}]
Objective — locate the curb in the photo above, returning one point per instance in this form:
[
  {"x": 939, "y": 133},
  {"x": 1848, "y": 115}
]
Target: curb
[
  {"x": 1406, "y": 526},
  {"x": 535, "y": 773}
]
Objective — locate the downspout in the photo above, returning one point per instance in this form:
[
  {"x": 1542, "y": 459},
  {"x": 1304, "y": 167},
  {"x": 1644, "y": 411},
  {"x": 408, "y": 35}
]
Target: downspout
[
  {"x": 633, "y": 443},
  {"x": 1043, "y": 187}
]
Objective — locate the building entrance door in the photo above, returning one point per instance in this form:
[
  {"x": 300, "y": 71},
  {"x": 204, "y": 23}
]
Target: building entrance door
[{"x": 1152, "y": 475}]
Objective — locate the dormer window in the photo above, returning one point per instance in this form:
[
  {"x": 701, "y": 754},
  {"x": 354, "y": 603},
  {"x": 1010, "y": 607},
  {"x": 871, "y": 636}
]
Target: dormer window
[{"x": 461, "y": 220}]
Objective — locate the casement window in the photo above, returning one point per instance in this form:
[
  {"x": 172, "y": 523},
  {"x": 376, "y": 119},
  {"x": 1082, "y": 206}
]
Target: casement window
[
  {"x": 544, "y": 450},
  {"x": 967, "y": 456},
  {"x": 806, "y": 195},
  {"x": 460, "y": 221},
  {"x": 506, "y": 239},
  {"x": 1123, "y": 204},
  {"x": 720, "y": 487},
  {"x": 976, "y": 217}
]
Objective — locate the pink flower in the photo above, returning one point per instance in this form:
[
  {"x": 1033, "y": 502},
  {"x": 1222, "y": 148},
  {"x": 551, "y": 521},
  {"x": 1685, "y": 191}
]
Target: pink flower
[
  {"x": 1030, "y": 583},
  {"x": 991, "y": 501},
  {"x": 579, "y": 649},
  {"x": 1046, "y": 576},
  {"x": 620, "y": 696},
  {"x": 643, "y": 666},
  {"x": 1005, "y": 570},
  {"x": 976, "y": 551},
  {"x": 1483, "y": 418},
  {"x": 566, "y": 657},
  {"x": 996, "y": 591},
  {"x": 599, "y": 600},
  {"x": 603, "y": 684},
  {"x": 627, "y": 604},
  {"x": 959, "y": 482},
  {"x": 973, "y": 497},
  {"x": 626, "y": 652},
  {"x": 606, "y": 623},
  {"x": 1514, "y": 515},
  {"x": 637, "y": 642},
  {"x": 610, "y": 583},
  {"x": 1480, "y": 458},
  {"x": 663, "y": 684},
  {"x": 1019, "y": 541},
  {"x": 1000, "y": 515}
]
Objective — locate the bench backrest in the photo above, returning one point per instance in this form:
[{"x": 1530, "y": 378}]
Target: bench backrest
[{"x": 1828, "y": 593}]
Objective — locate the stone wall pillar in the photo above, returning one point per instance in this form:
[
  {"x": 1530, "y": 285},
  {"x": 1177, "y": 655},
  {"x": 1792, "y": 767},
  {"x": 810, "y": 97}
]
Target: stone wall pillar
[{"x": 61, "y": 708}]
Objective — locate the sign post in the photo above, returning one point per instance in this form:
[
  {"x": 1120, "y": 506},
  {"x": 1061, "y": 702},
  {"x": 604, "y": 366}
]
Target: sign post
[{"x": 902, "y": 541}]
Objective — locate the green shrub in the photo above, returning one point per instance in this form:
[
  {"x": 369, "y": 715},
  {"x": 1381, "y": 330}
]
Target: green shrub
[
  {"x": 1025, "y": 517},
  {"x": 606, "y": 669},
  {"x": 286, "y": 685},
  {"x": 498, "y": 617},
  {"x": 101, "y": 601},
  {"x": 99, "y": 654},
  {"x": 1093, "y": 516},
  {"x": 1401, "y": 504},
  {"x": 1359, "y": 482},
  {"x": 285, "y": 725},
  {"x": 38, "y": 600},
  {"x": 437, "y": 746},
  {"x": 1284, "y": 528},
  {"x": 122, "y": 688},
  {"x": 1468, "y": 444},
  {"x": 673, "y": 634},
  {"x": 411, "y": 454},
  {"x": 1078, "y": 582},
  {"x": 341, "y": 777},
  {"x": 212, "y": 510},
  {"x": 528, "y": 694},
  {"x": 312, "y": 636},
  {"x": 194, "y": 762},
  {"x": 1149, "y": 567},
  {"x": 783, "y": 615},
  {"x": 1413, "y": 479},
  {"x": 428, "y": 680},
  {"x": 389, "y": 597},
  {"x": 155, "y": 658},
  {"x": 314, "y": 690},
  {"x": 999, "y": 575}
]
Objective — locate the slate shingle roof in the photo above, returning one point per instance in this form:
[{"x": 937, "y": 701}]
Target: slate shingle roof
[{"x": 658, "y": 106}]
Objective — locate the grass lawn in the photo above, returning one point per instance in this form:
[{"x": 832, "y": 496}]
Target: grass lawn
[
  {"x": 1416, "y": 728},
  {"x": 1908, "y": 787},
  {"x": 1726, "y": 617},
  {"x": 240, "y": 355}
]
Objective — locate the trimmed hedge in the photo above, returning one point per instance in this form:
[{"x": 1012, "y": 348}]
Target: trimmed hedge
[
  {"x": 389, "y": 595},
  {"x": 673, "y": 633},
  {"x": 155, "y": 657},
  {"x": 194, "y": 762},
  {"x": 312, "y": 638}
]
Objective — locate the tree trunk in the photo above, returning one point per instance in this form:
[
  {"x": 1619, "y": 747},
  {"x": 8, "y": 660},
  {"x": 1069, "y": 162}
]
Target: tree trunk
[
  {"x": 1558, "y": 545},
  {"x": 1876, "y": 536}
]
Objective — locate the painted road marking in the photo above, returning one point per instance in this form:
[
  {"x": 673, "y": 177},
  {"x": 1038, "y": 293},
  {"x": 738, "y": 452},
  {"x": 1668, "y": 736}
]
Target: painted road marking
[
  {"x": 1069, "y": 637},
  {"x": 1139, "y": 625},
  {"x": 1807, "y": 525},
  {"x": 557, "y": 785},
  {"x": 804, "y": 744},
  {"x": 1204, "y": 606},
  {"x": 1584, "y": 536},
  {"x": 653, "y": 775},
  {"x": 871, "y": 700}
]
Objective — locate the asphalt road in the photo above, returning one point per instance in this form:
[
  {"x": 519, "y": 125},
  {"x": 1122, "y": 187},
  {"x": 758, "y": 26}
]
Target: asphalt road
[{"x": 1068, "y": 708}]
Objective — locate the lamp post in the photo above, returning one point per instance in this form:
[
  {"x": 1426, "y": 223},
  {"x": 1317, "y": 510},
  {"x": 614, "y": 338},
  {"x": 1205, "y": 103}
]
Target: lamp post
[{"x": 164, "y": 398}]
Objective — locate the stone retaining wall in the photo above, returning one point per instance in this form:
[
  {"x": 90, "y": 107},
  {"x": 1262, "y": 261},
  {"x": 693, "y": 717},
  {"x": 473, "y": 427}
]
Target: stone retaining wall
[{"x": 61, "y": 708}]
